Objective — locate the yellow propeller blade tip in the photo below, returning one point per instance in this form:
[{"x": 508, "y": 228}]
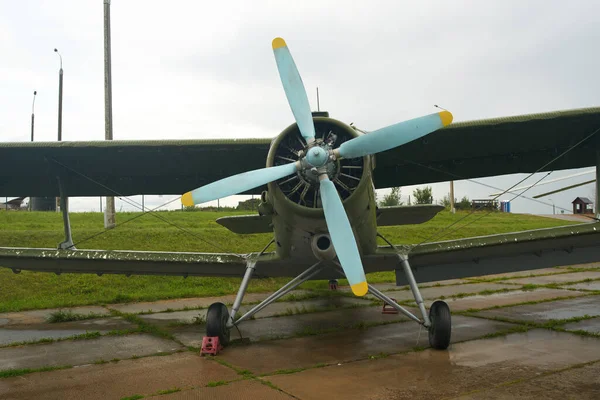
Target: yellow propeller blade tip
[
  {"x": 278, "y": 42},
  {"x": 187, "y": 200},
  {"x": 446, "y": 117},
  {"x": 360, "y": 289}
]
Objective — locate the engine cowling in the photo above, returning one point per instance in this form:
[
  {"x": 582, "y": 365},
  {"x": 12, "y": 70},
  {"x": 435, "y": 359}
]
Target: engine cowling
[{"x": 302, "y": 188}]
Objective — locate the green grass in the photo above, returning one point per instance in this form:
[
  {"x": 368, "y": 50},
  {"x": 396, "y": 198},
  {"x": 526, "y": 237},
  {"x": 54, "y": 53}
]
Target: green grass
[
  {"x": 30, "y": 290},
  {"x": 9, "y": 373},
  {"x": 68, "y": 315},
  {"x": 216, "y": 383},
  {"x": 134, "y": 397}
]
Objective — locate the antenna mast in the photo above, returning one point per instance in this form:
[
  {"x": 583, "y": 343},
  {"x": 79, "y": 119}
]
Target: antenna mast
[{"x": 318, "y": 105}]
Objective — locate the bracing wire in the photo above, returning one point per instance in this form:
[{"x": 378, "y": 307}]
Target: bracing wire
[{"x": 144, "y": 212}]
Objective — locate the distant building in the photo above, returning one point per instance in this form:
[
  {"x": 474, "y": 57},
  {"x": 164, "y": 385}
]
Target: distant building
[{"x": 583, "y": 205}]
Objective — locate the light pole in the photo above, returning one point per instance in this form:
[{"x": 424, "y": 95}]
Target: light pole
[
  {"x": 452, "y": 209},
  {"x": 553, "y": 207},
  {"x": 109, "y": 213},
  {"x": 33, "y": 113},
  {"x": 60, "y": 89}
]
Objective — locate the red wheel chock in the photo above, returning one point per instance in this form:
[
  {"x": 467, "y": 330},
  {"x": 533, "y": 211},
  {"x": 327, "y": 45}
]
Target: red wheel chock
[
  {"x": 388, "y": 309},
  {"x": 210, "y": 345}
]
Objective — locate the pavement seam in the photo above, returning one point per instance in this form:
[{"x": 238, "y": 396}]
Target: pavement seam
[
  {"x": 552, "y": 324},
  {"x": 474, "y": 310},
  {"x": 508, "y": 278},
  {"x": 89, "y": 335},
  {"x": 8, "y": 373}
]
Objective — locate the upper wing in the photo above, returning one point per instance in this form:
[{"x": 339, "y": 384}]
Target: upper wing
[
  {"x": 493, "y": 147},
  {"x": 125, "y": 168}
]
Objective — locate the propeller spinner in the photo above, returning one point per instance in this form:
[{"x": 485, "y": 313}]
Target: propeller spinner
[{"x": 317, "y": 157}]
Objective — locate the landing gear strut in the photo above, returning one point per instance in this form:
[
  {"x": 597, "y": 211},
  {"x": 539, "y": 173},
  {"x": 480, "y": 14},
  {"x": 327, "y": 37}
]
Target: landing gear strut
[
  {"x": 438, "y": 321},
  {"x": 218, "y": 319}
]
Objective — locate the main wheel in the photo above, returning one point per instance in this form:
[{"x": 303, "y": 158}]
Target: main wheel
[
  {"x": 216, "y": 322},
  {"x": 441, "y": 325}
]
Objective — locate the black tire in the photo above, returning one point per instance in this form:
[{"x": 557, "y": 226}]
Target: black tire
[
  {"x": 441, "y": 325},
  {"x": 216, "y": 322}
]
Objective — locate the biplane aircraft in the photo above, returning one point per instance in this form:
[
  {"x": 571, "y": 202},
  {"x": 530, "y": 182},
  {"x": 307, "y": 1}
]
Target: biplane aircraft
[{"x": 317, "y": 198}]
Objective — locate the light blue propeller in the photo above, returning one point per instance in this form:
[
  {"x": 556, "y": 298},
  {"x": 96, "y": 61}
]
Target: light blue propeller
[
  {"x": 342, "y": 237},
  {"x": 294, "y": 89},
  {"x": 318, "y": 156},
  {"x": 394, "y": 135},
  {"x": 238, "y": 183}
]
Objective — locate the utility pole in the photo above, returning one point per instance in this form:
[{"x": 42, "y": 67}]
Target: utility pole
[
  {"x": 109, "y": 213},
  {"x": 32, "y": 124},
  {"x": 452, "y": 209},
  {"x": 60, "y": 97},
  {"x": 597, "y": 199},
  {"x": 33, "y": 113}
]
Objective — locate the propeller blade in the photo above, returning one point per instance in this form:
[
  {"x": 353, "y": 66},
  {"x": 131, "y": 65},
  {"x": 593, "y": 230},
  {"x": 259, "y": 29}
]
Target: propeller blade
[
  {"x": 294, "y": 89},
  {"x": 238, "y": 183},
  {"x": 342, "y": 237},
  {"x": 394, "y": 135}
]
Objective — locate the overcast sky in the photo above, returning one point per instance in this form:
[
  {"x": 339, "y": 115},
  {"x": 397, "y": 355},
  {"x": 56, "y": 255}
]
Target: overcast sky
[{"x": 197, "y": 69}]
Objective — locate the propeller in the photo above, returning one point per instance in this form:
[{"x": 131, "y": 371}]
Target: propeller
[
  {"x": 342, "y": 237},
  {"x": 238, "y": 183},
  {"x": 294, "y": 89},
  {"x": 394, "y": 135},
  {"x": 316, "y": 157}
]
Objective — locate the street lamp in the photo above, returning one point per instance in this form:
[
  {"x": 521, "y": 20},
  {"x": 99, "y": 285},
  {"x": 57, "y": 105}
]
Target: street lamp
[
  {"x": 553, "y": 207},
  {"x": 33, "y": 113},
  {"x": 60, "y": 87}
]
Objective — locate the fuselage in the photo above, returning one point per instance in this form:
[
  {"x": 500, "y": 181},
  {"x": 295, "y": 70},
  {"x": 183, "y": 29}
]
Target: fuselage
[{"x": 298, "y": 221}]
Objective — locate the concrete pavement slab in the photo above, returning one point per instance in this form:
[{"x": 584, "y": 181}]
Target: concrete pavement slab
[
  {"x": 558, "y": 278},
  {"x": 392, "y": 285},
  {"x": 516, "y": 274},
  {"x": 560, "y": 309},
  {"x": 293, "y": 325},
  {"x": 433, "y": 374},
  {"x": 125, "y": 378},
  {"x": 595, "y": 265},
  {"x": 506, "y": 298},
  {"x": 589, "y": 325},
  {"x": 353, "y": 344},
  {"x": 277, "y": 308},
  {"x": 437, "y": 292},
  {"x": 242, "y": 390},
  {"x": 594, "y": 285},
  {"x": 41, "y": 316},
  {"x": 79, "y": 352},
  {"x": 25, "y": 333},
  {"x": 182, "y": 304},
  {"x": 577, "y": 383}
]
